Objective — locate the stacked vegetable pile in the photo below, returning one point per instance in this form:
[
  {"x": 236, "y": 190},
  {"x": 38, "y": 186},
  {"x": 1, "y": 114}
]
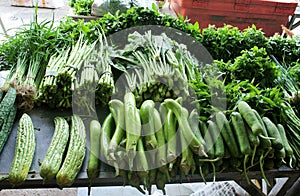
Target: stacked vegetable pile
[
  {"x": 151, "y": 145},
  {"x": 239, "y": 113}
]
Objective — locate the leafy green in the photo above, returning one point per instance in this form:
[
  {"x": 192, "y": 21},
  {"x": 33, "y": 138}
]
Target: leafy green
[
  {"x": 284, "y": 50},
  {"x": 266, "y": 101},
  {"x": 255, "y": 65},
  {"x": 227, "y": 42},
  {"x": 294, "y": 71},
  {"x": 41, "y": 38},
  {"x": 83, "y": 7}
]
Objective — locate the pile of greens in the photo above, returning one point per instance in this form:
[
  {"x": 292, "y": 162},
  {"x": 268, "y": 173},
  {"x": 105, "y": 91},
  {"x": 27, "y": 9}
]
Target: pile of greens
[{"x": 81, "y": 7}]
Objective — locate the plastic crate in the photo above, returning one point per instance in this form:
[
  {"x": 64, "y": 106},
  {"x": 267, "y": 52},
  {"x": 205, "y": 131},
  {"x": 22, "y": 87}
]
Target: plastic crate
[
  {"x": 269, "y": 18},
  {"x": 261, "y": 6}
]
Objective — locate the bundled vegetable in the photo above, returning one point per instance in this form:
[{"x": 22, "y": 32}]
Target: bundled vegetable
[
  {"x": 161, "y": 67},
  {"x": 292, "y": 131},
  {"x": 58, "y": 84},
  {"x": 105, "y": 84},
  {"x": 83, "y": 97}
]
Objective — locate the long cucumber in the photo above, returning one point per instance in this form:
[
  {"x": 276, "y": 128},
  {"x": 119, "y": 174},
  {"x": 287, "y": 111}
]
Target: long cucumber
[
  {"x": 93, "y": 169},
  {"x": 217, "y": 139},
  {"x": 250, "y": 118},
  {"x": 242, "y": 138},
  {"x": 273, "y": 132},
  {"x": 133, "y": 127},
  {"x": 182, "y": 115},
  {"x": 227, "y": 134},
  {"x": 286, "y": 145},
  {"x": 117, "y": 110},
  {"x": 265, "y": 141}
]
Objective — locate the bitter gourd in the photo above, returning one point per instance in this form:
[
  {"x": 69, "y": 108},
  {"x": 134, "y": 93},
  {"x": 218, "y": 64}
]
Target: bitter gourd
[
  {"x": 7, "y": 127},
  {"x": 24, "y": 151},
  {"x": 75, "y": 153},
  {"x": 6, "y": 104},
  {"x": 54, "y": 155}
]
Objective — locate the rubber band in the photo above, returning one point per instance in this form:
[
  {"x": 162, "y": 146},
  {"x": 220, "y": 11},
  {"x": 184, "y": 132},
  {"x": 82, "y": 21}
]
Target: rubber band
[
  {"x": 89, "y": 66},
  {"x": 72, "y": 66},
  {"x": 106, "y": 72},
  {"x": 51, "y": 73},
  {"x": 30, "y": 77}
]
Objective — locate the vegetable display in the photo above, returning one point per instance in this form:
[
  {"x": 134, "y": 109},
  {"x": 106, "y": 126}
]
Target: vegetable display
[
  {"x": 170, "y": 115},
  {"x": 215, "y": 147}
]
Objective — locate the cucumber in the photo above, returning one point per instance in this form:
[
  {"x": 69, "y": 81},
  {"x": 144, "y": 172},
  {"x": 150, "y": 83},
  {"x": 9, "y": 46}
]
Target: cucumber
[
  {"x": 274, "y": 133},
  {"x": 241, "y": 133},
  {"x": 250, "y": 118},
  {"x": 227, "y": 134},
  {"x": 93, "y": 169},
  {"x": 286, "y": 145}
]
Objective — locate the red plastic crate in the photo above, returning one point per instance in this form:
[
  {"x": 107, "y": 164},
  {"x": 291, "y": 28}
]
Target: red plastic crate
[
  {"x": 265, "y": 14},
  {"x": 262, "y": 6},
  {"x": 198, "y": 3},
  {"x": 269, "y": 22}
]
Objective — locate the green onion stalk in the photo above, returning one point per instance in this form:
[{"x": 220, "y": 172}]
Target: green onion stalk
[
  {"x": 27, "y": 91},
  {"x": 16, "y": 74},
  {"x": 105, "y": 86},
  {"x": 292, "y": 122},
  {"x": 85, "y": 86},
  {"x": 67, "y": 75},
  {"x": 25, "y": 76},
  {"x": 154, "y": 77},
  {"x": 58, "y": 84},
  {"x": 48, "y": 87}
]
